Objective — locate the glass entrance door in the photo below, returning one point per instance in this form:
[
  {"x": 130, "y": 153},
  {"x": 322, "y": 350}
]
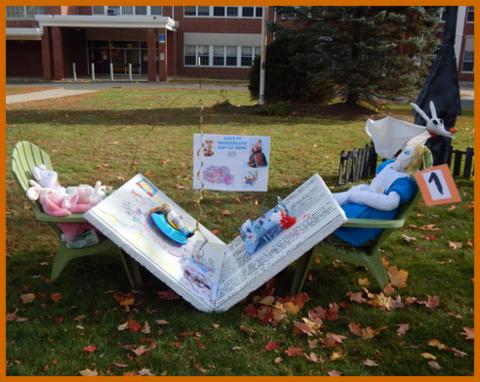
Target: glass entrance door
[{"x": 132, "y": 56}]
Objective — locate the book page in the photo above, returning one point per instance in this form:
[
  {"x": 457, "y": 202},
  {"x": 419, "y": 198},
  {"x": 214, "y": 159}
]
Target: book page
[
  {"x": 192, "y": 270},
  {"x": 318, "y": 215}
]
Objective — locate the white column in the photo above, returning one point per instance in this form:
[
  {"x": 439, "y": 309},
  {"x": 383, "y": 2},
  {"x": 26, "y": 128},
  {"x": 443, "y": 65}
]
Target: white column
[
  {"x": 111, "y": 71},
  {"x": 74, "y": 69},
  {"x": 92, "y": 70},
  {"x": 130, "y": 71}
]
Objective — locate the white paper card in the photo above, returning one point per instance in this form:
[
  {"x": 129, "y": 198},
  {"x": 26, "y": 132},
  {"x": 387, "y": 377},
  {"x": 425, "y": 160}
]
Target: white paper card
[{"x": 231, "y": 162}]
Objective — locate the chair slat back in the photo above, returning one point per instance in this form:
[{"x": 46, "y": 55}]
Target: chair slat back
[{"x": 25, "y": 157}]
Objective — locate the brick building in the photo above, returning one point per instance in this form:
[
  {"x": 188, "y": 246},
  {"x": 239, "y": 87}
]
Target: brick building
[
  {"x": 46, "y": 42},
  {"x": 157, "y": 41}
]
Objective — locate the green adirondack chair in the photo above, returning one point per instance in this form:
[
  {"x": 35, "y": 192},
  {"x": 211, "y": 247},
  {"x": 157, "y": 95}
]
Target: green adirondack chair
[
  {"x": 25, "y": 157},
  {"x": 367, "y": 257}
]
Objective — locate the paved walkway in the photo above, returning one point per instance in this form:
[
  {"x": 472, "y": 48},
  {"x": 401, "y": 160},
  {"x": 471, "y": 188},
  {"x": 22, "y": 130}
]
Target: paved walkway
[{"x": 45, "y": 94}]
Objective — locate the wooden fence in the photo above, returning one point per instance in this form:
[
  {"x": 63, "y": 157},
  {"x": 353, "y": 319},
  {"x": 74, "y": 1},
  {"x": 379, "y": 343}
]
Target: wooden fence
[{"x": 358, "y": 164}]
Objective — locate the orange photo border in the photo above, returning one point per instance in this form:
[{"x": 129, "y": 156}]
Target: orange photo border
[
  {"x": 3, "y": 169},
  {"x": 452, "y": 187}
]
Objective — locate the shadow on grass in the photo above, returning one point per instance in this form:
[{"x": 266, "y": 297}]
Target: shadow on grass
[{"x": 186, "y": 116}]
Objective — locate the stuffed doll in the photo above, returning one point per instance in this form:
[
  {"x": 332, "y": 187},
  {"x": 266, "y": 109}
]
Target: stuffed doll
[
  {"x": 60, "y": 201},
  {"x": 392, "y": 186}
]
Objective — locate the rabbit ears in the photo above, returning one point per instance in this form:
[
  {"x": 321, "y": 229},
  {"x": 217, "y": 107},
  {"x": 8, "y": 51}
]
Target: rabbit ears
[{"x": 424, "y": 115}]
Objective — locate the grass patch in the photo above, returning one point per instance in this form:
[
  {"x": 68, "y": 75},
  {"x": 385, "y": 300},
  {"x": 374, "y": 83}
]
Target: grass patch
[{"x": 95, "y": 136}]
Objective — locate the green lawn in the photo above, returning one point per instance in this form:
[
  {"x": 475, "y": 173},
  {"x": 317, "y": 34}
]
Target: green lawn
[{"x": 96, "y": 136}]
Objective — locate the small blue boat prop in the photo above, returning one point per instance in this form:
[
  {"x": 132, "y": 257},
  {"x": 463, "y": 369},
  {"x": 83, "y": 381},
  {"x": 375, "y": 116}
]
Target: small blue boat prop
[{"x": 167, "y": 229}]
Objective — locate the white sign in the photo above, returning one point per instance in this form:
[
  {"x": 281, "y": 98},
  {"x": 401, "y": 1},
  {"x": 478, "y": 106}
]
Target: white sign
[
  {"x": 230, "y": 162},
  {"x": 212, "y": 275}
]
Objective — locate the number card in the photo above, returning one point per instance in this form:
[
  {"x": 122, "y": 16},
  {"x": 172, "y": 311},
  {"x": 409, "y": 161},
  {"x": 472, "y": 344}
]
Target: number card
[{"x": 437, "y": 186}]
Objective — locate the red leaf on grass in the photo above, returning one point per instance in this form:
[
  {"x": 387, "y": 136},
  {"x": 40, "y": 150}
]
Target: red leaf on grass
[
  {"x": 332, "y": 312},
  {"x": 468, "y": 333},
  {"x": 331, "y": 340},
  {"x": 56, "y": 297},
  {"x": 89, "y": 348},
  {"x": 272, "y": 345},
  {"x": 124, "y": 299},
  {"x": 317, "y": 313},
  {"x": 294, "y": 351}
]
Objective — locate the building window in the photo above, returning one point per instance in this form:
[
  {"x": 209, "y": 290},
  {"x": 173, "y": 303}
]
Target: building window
[
  {"x": 97, "y": 10},
  {"x": 231, "y": 56},
  {"x": 127, "y": 10},
  {"x": 247, "y": 59},
  {"x": 113, "y": 11},
  {"x": 232, "y": 11},
  {"x": 219, "y": 11},
  {"x": 203, "y": 11},
  {"x": 467, "y": 65},
  {"x": 190, "y": 11},
  {"x": 158, "y": 11},
  {"x": 258, "y": 11},
  {"x": 257, "y": 51},
  {"x": 218, "y": 55},
  {"x": 470, "y": 14},
  {"x": 190, "y": 55},
  {"x": 23, "y": 12},
  {"x": 204, "y": 55},
  {"x": 140, "y": 10},
  {"x": 247, "y": 11}
]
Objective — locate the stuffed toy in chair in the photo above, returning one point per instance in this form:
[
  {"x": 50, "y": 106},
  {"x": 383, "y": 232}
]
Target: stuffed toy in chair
[{"x": 392, "y": 186}]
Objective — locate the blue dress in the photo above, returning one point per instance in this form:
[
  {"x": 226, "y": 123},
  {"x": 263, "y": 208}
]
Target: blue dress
[{"x": 406, "y": 187}]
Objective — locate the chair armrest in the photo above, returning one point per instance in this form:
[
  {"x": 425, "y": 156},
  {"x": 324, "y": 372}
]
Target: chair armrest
[
  {"x": 374, "y": 223},
  {"x": 73, "y": 218}
]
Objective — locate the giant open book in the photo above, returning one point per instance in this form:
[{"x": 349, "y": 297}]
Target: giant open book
[{"x": 212, "y": 275}]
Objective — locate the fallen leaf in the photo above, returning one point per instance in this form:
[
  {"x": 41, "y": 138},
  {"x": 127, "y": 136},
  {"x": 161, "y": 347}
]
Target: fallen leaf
[
  {"x": 366, "y": 333},
  {"x": 335, "y": 373},
  {"x": 140, "y": 350},
  {"x": 307, "y": 327},
  {"x": 363, "y": 282},
  {"x": 277, "y": 360},
  {"x": 356, "y": 297},
  {"x": 245, "y": 329},
  {"x": 267, "y": 300},
  {"x": 55, "y": 297},
  {"x": 428, "y": 356},
  {"x": 389, "y": 289},
  {"x": 431, "y": 302},
  {"x": 455, "y": 245},
  {"x": 120, "y": 365},
  {"x": 458, "y": 353},
  {"x": 402, "y": 329},
  {"x": 398, "y": 277},
  {"x": 124, "y": 299},
  {"x": 312, "y": 357},
  {"x": 434, "y": 365},
  {"x": 428, "y": 227},
  {"x": 436, "y": 343},
  {"x": 370, "y": 363},
  {"x": 272, "y": 345},
  {"x": 317, "y": 313},
  {"x": 89, "y": 348},
  {"x": 294, "y": 351},
  {"x": 336, "y": 355},
  {"x": 409, "y": 239},
  {"x": 332, "y": 340},
  {"x": 88, "y": 373},
  {"x": 468, "y": 333},
  {"x": 145, "y": 372},
  {"x": 134, "y": 326},
  {"x": 161, "y": 322},
  {"x": 332, "y": 312},
  {"x": 27, "y": 298},
  {"x": 226, "y": 213},
  {"x": 146, "y": 328},
  {"x": 123, "y": 326}
]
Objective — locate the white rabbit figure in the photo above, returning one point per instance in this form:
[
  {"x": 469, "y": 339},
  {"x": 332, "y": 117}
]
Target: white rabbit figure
[{"x": 434, "y": 125}]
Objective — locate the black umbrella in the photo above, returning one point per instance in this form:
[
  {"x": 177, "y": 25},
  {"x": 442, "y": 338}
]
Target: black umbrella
[{"x": 441, "y": 87}]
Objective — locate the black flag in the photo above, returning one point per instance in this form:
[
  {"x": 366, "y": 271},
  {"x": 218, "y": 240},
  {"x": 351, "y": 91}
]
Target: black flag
[{"x": 441, "y": 87}]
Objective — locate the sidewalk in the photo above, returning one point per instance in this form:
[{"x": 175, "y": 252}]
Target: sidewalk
[{"x": 45, "y": 94}]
